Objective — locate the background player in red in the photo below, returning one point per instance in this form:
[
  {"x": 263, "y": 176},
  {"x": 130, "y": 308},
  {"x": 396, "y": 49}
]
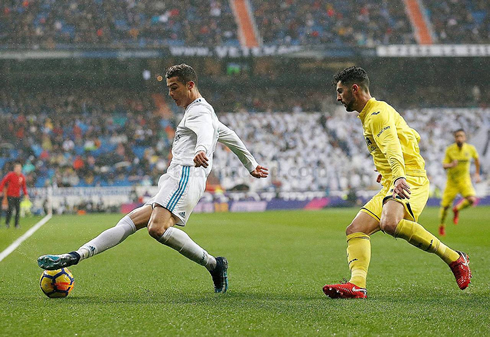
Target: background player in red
[{"x": 14, "y": 180}]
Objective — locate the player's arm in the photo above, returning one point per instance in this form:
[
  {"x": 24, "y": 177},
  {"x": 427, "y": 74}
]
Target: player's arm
[
  {"x": 385, "y": 135},
  {"x": 201, "y": 123},
  {"x": 477, "y": 167},
  {"x": 230, "y": 139},
  {"x": 24, "y": 189}
]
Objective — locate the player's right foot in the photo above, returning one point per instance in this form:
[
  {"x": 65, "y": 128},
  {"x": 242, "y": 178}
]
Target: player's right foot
[
  {"x": 344, "y": 290},
  {"x": 220, "y": 275},
  {"x": 461, "y": 270},
  {"x": 52, "y": 262},
  {"x": 455, "y": 215},
  {"x": 442, "y": 230}
]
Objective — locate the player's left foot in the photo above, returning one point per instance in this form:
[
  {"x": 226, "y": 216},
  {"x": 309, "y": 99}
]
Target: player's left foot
[
  {"x": 461, "y": 270},
  {"x": 442, "y": 230},
  {"x": 220, "y": 275},
  {"x": 52, "y": 262},
  {"x": 455, "y": 216},
  {"x": 344, "y": 290}
]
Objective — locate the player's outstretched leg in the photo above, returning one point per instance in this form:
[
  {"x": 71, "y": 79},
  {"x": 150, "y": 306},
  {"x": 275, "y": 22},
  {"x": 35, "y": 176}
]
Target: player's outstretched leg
[
  {"x": 418, "y": 236},
  {"x": 107, "y": 239},
  {"x": 220, "y": 275}
]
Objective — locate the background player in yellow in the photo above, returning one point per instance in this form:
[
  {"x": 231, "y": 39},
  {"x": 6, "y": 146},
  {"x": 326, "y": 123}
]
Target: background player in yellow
[
  {"x": 457, "y": 162},
  {"x": 396, "y": 208}
]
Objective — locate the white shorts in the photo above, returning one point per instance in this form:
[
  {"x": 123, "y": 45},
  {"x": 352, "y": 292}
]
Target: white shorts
[{"x": 179, "y": 191}]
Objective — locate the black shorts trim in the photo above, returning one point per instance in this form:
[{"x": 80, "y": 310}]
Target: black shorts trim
[{"x": 364, "y": 208}]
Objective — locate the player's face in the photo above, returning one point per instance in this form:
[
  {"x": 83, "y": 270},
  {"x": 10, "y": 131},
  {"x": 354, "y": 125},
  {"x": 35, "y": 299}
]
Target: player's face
[
  {"x": 460, "y": 138},
  {"x": 179, "y": 91},
  {"x": 345, "y": 96},
  {"x": 17, "y": 169}
]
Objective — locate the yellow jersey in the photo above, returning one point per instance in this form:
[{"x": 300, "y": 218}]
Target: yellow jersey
[
  {"x": 392, "y": 143},
  {"x": 463, "y": 155}
]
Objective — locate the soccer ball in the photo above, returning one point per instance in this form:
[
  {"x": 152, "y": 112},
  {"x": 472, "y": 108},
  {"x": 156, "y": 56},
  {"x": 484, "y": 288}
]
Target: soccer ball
[{"x": 57, "y": 283}]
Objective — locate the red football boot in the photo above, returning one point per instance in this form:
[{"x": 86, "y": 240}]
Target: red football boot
[
  {"x": 344, "y": 290},
  {"x": 461, "y": 270}
]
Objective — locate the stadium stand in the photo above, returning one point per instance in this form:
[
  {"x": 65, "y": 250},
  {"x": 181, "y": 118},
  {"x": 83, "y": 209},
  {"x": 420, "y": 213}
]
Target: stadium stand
[
  {"x": 111, "y": 23},
  {"x": 460, "y": 21},
  {"x": 149, "y": 24},
  {"x": 352, "y": 23}
]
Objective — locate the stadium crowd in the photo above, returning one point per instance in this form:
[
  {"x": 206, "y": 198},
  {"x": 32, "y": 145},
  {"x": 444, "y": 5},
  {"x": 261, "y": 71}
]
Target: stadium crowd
[
  {"x": 459, "y": 21},
  {"x": 112, "y": 23},
  {"x": 114, "y": 138},
  {"x": 146, "y": 24},
  {"x": 351, "y": 23}
]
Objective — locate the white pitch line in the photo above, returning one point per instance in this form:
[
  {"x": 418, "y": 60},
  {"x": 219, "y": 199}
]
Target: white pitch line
[{"x": 24, "y": 237}]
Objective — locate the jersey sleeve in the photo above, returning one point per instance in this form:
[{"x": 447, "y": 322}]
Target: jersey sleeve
[
  {"x": 385, "y": 135},
  {"x": 230, "y": 139},
  {"x": 201, "y": 123}
]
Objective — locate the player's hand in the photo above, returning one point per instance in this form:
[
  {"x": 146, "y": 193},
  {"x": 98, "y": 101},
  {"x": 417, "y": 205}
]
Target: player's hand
[
  {"x": 260, "y": 172},
  {"x": 401, "y": 189},
  {"x": 201, "y": 160},
  {"x": 477, "y": 178},
  {"x": 454, "y": 163},
  {"x": 378, "y": 179}
]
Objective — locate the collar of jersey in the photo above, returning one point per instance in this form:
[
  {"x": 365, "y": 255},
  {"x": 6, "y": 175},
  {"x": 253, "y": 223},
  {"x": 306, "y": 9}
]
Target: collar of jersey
[
  {"x": 197, "y": 100},
  {"x": 366, "y": 108}
]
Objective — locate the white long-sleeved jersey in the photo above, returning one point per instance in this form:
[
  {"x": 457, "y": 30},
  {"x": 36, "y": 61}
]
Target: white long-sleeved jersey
[{"x": 199, "y": 130}]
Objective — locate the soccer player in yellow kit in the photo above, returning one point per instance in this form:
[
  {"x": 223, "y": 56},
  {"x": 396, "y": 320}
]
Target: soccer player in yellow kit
[
  {"x": 396, "y": 208},
  {"x": 457, "y": 163}
]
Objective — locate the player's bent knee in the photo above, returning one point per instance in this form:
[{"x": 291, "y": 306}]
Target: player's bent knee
[
  {"x": 471, "y": 200},
  {"x": 388, "y": 226},
  {"x": 156, "y": 228}
]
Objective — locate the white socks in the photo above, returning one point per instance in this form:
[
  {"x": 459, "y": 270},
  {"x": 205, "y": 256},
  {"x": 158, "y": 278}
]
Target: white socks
[
  {"x": 108, "y": 239},
  {"x": 181, "y": 242},
  {"x": 173, "y": 237}
]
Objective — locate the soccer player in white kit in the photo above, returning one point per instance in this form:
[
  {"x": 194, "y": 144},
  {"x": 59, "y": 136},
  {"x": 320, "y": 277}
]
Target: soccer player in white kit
[{"x": 180, "y": 188}]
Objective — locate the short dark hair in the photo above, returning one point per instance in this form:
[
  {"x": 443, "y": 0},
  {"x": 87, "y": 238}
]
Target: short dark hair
[
  {"x": 459, "y": 130},
  {"x": 185, "y": 73},
  {"x": 352, "y": 75}
]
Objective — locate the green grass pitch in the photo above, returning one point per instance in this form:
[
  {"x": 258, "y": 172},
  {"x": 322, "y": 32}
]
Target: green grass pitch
[{"x": 279, "y": 262}]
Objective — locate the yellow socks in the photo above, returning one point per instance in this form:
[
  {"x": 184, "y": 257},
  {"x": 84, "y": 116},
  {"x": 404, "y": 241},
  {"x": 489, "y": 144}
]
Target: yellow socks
[
  {"x": 442, "y": 215},
  {"x": 463, "y": 204},
  {"x": 416, "y": 235},
  {"x": 358, "y": 257}
]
